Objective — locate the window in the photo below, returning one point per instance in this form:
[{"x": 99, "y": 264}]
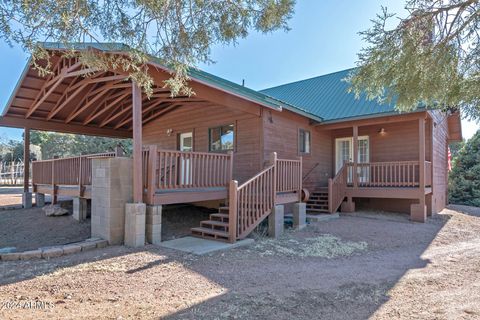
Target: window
[
  {"x": 221, "y": 138},
  {"x": 304, "y": 141}
]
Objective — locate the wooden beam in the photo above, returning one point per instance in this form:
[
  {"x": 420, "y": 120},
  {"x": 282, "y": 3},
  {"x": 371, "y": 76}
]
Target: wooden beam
[
  {"x": 355, "y": 156},
  {"x": 148, "y": 108},
  {"x": 41, "y": 98},
  {"x": 106, "y": 108},
  {"x": 161, "y": 112},
  {"x": 101, "y": 92},
  {"x": 421, "y": 158},
  {"x": 26, "y": 159},
  {"x": 58, "y": 107},
  {"x": 371, "y": 121},
  {"x": 57, "y": 126},
  {"x": 137, "y": 144}
]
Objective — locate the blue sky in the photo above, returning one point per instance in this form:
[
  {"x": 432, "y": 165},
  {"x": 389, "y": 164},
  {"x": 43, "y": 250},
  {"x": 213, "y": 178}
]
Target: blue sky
[{"x": 323, "y": 38}]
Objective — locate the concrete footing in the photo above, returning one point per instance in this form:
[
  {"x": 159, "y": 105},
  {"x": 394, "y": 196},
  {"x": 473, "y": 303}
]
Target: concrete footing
[
  {"x": 39, "y": 200},
  {"x": 299, "y": 215},
  {"x": 27, "y": 200},
  {"x": 112, "y": 180},
  {"x": 418, "y": 212},
  {"x": 275, "y": 221},
  {"x": 153, "y": 228},
  {"x": 135, "y": 224},
  {"x": 80, "y": 206}
]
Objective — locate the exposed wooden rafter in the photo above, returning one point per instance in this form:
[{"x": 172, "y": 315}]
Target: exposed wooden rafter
[
  {"x": 97, "y": 95},
  {"x": 110, "y": 105}
]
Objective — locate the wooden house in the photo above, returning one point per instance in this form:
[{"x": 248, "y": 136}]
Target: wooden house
[{"x": 252, "y": 149}]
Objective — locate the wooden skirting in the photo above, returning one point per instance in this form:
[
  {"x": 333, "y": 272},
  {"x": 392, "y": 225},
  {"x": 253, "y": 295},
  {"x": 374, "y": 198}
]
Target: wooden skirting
[
  {"x": 64, "y": 190},
  {"x": 385, "y": 192},
  {"x": 186, "y": 196},
  {"x": 283, "y": 198}
]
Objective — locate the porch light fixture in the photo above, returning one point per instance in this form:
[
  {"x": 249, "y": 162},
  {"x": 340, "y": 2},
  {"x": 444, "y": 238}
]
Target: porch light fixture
[
  {"x": 169, "y": 132},
  {"x": 382, "y": 131}
]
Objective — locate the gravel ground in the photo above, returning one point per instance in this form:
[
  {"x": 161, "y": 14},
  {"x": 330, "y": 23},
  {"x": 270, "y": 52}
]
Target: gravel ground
[{"x": 354, "y": 267}]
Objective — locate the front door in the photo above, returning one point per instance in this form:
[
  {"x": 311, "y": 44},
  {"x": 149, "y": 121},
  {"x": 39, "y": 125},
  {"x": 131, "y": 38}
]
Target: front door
[
  {"x": 344, "y": 153},
  {"x": 186, "y": 144}
]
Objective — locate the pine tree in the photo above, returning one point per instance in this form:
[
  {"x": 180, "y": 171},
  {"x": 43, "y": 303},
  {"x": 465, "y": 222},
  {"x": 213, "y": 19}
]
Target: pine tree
[{"x": 464, "y": 179}]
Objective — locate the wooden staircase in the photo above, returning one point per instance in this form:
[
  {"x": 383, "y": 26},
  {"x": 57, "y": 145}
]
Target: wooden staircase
[
  {"x": 216, "y": 228},
  {"x": 318, "y": 201},
  {"x": 251, "y": 202}
]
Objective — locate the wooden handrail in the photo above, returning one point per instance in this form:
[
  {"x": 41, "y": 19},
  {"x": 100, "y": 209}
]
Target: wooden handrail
[
  {"x": 336, "y": 189},
  {"x": 388, "y": 173},
  {"x": 251, "y": 202},
  {"x": 66, "y": 171},
  {"x": 171, "y": 169}
]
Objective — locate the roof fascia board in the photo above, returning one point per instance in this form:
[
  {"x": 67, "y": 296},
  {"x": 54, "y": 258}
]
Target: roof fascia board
[{"x": 17, "y": 86}]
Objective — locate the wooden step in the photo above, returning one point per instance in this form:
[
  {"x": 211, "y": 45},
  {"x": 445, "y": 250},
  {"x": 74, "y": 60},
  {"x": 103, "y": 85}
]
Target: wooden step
[
  {"x": 208, "y": 233},
  {"x": 214, "y": 223},
  {"x": 319, "y": 195},
  {"x": 219, "y": 217},
  {"x": 318, "y": 201},
  {"x": 224, "y": 209},
  {"x": 317, "y": 210}
]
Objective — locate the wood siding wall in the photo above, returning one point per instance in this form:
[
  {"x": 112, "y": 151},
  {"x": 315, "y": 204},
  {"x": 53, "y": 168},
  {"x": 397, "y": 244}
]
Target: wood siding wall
[
  {"x": 398, "y": 143},
  {"x": 280, "y": 134},
  {"x": 440, "y": 161},
  {"x": 247, "y": 154}
]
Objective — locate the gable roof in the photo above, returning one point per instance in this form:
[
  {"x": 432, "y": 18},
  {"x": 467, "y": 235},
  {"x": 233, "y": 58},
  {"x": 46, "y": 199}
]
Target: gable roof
[
  {"x": 196, "y": 74},
  {"x": 327, "y": 97}
]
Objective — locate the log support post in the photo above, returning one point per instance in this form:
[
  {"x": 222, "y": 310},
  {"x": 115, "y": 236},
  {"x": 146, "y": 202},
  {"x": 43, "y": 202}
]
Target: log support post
[
  {"x": 418, "y": 211},
  {"x": 27, "y": 195},
  {"x": 135, "y": 212}
]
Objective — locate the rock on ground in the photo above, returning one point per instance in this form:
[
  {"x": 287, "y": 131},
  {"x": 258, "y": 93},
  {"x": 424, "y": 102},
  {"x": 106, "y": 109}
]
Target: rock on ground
[{"x": 54, "y": 210}]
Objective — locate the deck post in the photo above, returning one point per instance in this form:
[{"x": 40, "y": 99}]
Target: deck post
[
  {"x": 230, "y": 153},
  {"x": 418, "y": 212},
  {"x": 232, "y": 211},
  {"x": 273, "y": 162},
  {"x": 137, "y": 143},
  {"x": 152, "y": 172},
  {"x": 300, "y": 180},
  {"x": 27, "y": 195},
  {"x": 355, "y": 156}
]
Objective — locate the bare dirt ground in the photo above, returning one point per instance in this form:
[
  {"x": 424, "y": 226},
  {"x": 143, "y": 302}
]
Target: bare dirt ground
[
  {"x": 10, "y": 197},
  {"x": 354, "y": 267},
  {"x": 29, "y": 229}
]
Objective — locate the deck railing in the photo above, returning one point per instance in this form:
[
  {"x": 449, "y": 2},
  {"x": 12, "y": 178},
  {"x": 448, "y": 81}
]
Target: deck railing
[
  {"x": 252, "y": 201},
  {"x": 389, "y": 174},
  {"x": 336, "y": 189},
  {"x": 168, "y": 169},
  {"x": 66, "y": 171},
  {"x": 289, "y": 175}
]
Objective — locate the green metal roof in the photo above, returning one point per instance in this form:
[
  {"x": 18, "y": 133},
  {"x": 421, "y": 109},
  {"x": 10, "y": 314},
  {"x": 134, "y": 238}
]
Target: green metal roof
[
  {"x": 324, "y": 98},
  {"x": 196, "y": 74},
  {"x": 327, "y": 97}
]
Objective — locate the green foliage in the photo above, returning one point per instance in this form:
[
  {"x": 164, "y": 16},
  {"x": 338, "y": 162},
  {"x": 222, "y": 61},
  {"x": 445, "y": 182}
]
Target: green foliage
[
  {"x": 12, "y": 150},
  {"x": 431, "y": 58},
  {"x": 65, "y": 145},
  {"x": 464, "y": 179},
  {"x": 179, "y": 32}
]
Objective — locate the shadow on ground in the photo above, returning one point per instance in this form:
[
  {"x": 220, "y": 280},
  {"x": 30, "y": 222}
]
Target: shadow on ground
[{"x": 264, "y": 280}]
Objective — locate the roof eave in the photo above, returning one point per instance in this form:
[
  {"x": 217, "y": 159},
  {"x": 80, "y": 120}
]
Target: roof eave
[
  {"x": 367, "y": 116},
  {"x": 17, "y": 87}
]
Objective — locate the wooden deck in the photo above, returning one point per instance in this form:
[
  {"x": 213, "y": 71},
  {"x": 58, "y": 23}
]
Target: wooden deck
[{"x": 390, "y": 180}]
